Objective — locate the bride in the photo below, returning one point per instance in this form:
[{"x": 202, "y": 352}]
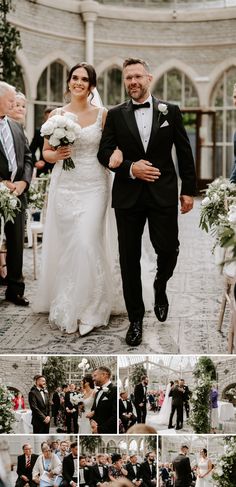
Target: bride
[
  {"x": 204, "y": 469},
  {"x": 164, "y": 414},
  {"x": 87, "y": 400},
  {"x": 75, "y": 286}
]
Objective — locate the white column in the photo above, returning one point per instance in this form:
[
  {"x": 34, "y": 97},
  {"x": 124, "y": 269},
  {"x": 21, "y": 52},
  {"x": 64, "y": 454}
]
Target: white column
[{"x": 89, "y": 12}]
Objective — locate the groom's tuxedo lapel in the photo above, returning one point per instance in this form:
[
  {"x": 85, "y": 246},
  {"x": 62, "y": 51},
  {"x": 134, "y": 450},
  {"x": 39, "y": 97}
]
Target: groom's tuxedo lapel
[
  {"x": 128, "y": 114},
  {"x": 156, "y": 121}
]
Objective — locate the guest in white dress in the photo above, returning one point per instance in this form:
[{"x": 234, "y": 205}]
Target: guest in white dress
[
  {"x": 87, "y": 402},
  {"x": 204, "y": 470}
]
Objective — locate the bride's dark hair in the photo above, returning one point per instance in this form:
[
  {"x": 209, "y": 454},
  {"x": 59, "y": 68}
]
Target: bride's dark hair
[
  {"x": 91, "y": 75},
  {"x": 88, "y": 378}
]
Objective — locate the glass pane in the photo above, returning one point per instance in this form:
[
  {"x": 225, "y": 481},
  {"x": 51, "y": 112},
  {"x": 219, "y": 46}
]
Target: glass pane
[
  {"x": 230, "y": 81},
  {"x": 56, "y": 82},
  {"x": 218, "y": 97},
  {"x": 231, "y": 124},
  {"x": 229, "y": 160},
  {"x": 219, "y": 160},
  {"x": 219, "y": 126},
  {"x": 158, "y": 90},
  {"x": 42, "y": 87},
  {"x": 174, "y": 86},
  {"x": 114, "y": 81},
  {"x": 191, "y": 98},
  {"x": 39, "y": 115}
]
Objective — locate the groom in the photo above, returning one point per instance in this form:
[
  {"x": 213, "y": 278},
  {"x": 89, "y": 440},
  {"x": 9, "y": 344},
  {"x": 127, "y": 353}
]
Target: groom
[
  {"x": 145, "y": 187},
  {"x": 182, "y": 468}
]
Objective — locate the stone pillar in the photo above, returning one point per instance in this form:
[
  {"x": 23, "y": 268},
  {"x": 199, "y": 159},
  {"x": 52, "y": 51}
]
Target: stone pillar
[{"x": 89, "y": 11}]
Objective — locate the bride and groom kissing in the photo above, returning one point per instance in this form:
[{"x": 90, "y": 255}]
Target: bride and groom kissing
[
  {"x": 179, "y": 394},
  {"x": 134, "y": 140}
]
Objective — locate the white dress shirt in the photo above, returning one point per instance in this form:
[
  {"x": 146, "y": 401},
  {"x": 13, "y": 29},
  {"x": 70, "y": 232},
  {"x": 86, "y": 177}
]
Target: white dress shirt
[{"x": 143, "y": 118}]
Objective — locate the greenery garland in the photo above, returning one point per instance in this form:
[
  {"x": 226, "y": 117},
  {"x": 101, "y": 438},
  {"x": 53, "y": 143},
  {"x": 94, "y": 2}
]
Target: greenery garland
[
  {"x": 225, "y": 471},
  {"x": 6, "y": 415},
  {"x": 205, "y": 374},
  {"x": 10, "y": 41}
]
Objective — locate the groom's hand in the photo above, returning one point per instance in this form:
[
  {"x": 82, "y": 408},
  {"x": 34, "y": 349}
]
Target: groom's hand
[
  {"x": 186, "y": 203},
  {"x": 94, "y": 426},
  {"x": 144, "y": 170}
]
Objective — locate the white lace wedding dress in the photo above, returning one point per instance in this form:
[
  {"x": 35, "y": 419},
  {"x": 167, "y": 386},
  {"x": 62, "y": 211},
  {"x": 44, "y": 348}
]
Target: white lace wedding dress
[
  {"x": 203, "y": 468},
  {"x": 84, "y": 423},
  {"x": 80, "y": 282},
  {"x": 164, "y": 414}
]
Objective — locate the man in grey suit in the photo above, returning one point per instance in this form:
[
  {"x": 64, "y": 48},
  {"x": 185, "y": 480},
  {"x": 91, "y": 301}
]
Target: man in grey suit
[
  {"x": 182, "y": 468},
  {"x": 15, "y": 172}
]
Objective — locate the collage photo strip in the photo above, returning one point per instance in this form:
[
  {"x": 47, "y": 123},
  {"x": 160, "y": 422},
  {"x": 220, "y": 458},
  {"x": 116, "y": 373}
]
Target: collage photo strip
[{"x": 117, "y": 243}]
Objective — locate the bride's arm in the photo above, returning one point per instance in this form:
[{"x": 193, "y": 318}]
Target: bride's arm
[{"x": 116, "y": 158}]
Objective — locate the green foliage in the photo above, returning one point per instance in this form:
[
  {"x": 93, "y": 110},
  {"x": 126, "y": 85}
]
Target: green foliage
[
  {"x": 205, "y": 373},
  {"x": 9, "y": 204},
  {"x": 55, "y": 371},
  {"x": 88, "y": 444},
  {"x": 225, "y": 472},
  {"x": 10, "y": 41},
  {"x": 136, "y": 374},
  {"x": 6, "y": 414},
  {"x": 151, "y": 442}
]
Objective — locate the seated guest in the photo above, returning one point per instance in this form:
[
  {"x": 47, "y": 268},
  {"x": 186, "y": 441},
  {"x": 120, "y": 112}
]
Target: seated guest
[
  {"x": 70, "y": 467},
  {"x": 25, "y": 464},
  {"x": 63, "y": 450},
  {"x": 148, "y": 470},
  {"x": 126, "y": 414},
  {"x": 133, "y": 469},
  {"x": 84, "y": 472},
  {"x": 116, "y": 470},
  {"x": 99, "y": 471},
  {"x": 47, "y": 468}
]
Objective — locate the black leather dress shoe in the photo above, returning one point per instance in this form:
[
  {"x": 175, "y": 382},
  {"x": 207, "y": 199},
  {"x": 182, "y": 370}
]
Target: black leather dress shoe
[
  {"x": 161, "y": 306},
  {"x": 134, "y": 333},
  {"x": 18, "y": 300}
]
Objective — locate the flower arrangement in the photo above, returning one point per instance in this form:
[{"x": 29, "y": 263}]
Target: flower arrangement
[
  {"x": 204, "y": 372},
  {"x": 38, "y": 190},
  {"x": 61, "y": 130},
  {"x": 9, "y": 203},
  {"x": 6, "y": 415},
  {"x": 213, "y": 205},
  {"x": 225, "y": 472}
]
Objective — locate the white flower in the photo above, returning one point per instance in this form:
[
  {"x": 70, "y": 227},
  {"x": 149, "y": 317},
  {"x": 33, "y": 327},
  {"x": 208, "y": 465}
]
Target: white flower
[
  {"x": 47, "y": 128},
  {"x": 13, "y": 202},
  {"x": 162, "y": 107},
  {"x": 105, "y": 389},
  {"x": 59, "y": 120},
  {"x": 70, "y": 135},
  {"x": 54, "y": 141},
  {"x": 206, "y": 201},
  {"x": 71, "y": 116},
  {"x": 232, "y": 214},
  {"x": 59, "y": 133}
]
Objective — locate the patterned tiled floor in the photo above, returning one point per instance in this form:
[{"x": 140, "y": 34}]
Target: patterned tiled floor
[{"x": 191, "y": 328}]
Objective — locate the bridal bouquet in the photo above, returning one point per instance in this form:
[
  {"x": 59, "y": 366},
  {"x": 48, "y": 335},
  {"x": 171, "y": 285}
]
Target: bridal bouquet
[
  {"x": 61, "y": 130},
  {"x": 75, "y": 399}
]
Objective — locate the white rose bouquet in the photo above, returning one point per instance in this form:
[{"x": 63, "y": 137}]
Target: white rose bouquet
[
  {"x": 75, "y": 399},
  {"x": 61, "y": 130}
]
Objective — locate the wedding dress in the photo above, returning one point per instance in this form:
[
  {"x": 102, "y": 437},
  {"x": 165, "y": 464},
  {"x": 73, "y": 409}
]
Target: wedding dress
[
  {"x": 84, "y": 423},
  {"x": 80, "y": 282},
  {"x": 203, "y": 468},
  {"x": 164, "y": 414}
]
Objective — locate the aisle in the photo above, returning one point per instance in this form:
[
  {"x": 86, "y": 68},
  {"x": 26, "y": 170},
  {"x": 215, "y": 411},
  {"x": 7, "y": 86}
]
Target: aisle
[{"x": 191, "y": 328}]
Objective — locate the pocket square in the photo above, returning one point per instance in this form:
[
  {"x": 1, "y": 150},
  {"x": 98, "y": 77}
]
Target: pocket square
[
  {"x": 105, "y": 399},
  {"x": 164, "y": 124}
]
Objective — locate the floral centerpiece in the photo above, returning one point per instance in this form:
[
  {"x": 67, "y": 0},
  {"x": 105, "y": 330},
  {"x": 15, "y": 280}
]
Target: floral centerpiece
[
  {"x": 213, "y": 206},
  {"x": 225, "y": 471},
  {"x": 61, "y": 130}
]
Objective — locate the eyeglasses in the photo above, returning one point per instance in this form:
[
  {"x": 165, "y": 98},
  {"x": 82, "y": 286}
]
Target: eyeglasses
[{"x": 136, "y": 77}]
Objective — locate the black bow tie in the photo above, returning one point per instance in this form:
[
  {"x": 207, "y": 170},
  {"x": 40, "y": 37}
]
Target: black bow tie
[
  {"x": 41, "y": 390},
  {"x": 141, "y": 105}
]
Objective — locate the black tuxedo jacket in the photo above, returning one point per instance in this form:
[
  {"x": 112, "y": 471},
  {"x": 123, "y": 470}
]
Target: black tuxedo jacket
[
  {"x": 139, "y": 395},
  {"x": 122, "y": 408},
  {"x": 23, "y": 158},
  {"x": 56, "y": 400},
  {"x": 106, "y": 410},
  {"x": 187, "y": 393},
  {"x": 95, "y": 476},
  {"x": 121, "y": 130},
  {"x": 131, "y": 473},
  {"x": 177, "y": 396},
  {"x": 21, "y": 466},
  {"x": 181, "y": 466},
  {"x": 146, "y": 474},
  {"x": 68, "y": 468},
  {"x": 39, "y": 408}
]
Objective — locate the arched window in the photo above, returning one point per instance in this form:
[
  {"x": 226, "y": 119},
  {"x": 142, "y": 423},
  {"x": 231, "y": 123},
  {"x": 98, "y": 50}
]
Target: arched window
[
  {"x": 222, "y": 102},
  {"x": 111, "y": 87},
  {"x": 175, "y": 87},
  {"x": 133, "y": 446},
  {"x": 50, "y": 89}
]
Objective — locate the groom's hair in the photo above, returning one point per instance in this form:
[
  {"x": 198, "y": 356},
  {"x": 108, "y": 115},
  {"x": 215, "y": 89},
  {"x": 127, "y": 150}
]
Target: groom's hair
[
  {"x": 132, "y": 60},
  {"x": 104, "y": 369},
  {"x": 38, "y": 376}
]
